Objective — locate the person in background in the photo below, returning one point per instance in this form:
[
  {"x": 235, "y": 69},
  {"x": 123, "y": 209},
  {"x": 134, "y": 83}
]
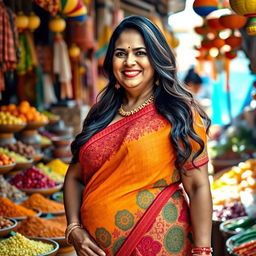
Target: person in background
[
  {"x": 193, "y": 81},
  {"x": 144, "y": 137}
]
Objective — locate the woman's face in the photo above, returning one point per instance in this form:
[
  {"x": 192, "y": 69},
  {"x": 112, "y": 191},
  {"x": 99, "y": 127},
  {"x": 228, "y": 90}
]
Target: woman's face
[{"x": 131, "y": 65}]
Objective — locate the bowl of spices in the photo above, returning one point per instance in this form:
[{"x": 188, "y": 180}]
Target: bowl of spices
[
  {"x": 45, "y": 205},
  {"x": 16, "y": 211},
  {"x": 28, "y": 246},
  {"x": 7, "y": 225}
]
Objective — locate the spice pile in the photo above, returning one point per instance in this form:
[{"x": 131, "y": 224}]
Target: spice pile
[
  {"x": 39, "y": 227},
  {"x": 10, "y": 191},
  {"x": 32, "y": 178},
  {"x": 58, "y": 166},
  {"x": 10, "y": 209},
  {"x": 19, "y": 245},
  {"x": 5, "y": 223},
  {"x": 41, "y": 203}
]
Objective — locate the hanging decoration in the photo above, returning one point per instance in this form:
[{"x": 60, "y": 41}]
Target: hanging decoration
[
  {"x": 205, "y": 7},
  {"x": 75, "y": 10},
  {"x": 8, "y": 43},
  {"x": 61, "y": 62},
  {"x": 51, "y": 6},
  {"x": 33, "y": 21},
  {"x": 246, "y": 8},
  {"x": 22, "y": 21}
]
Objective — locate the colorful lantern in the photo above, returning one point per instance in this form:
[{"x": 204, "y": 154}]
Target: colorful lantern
[
  {"x": 231, "y": 55},
  {"x": 246, "y": 8},
  {"x": 204, "y": 7},
  {"x": 232, "y": 21},
  {"x": 215, "y": 24},
  {"x": 68, "y": 5},
  {"x": 57, "y": 24},
  {"x": 218, "y": 42},
  {"x": 234, "y": 41},
  {"x": 33, "y": 21},
  {"x": 21, "y": 21}
]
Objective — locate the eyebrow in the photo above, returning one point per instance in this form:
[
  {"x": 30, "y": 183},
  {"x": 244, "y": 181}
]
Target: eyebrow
[{"x": 134, "y": 49}]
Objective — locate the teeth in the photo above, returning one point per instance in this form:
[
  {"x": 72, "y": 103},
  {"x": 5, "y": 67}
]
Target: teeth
[{"x": 131, "y": 72}]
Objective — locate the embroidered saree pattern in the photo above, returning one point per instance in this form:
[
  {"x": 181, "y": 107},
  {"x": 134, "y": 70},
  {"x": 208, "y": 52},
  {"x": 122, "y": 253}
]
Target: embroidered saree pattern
[{"x": 125, "y": 166}]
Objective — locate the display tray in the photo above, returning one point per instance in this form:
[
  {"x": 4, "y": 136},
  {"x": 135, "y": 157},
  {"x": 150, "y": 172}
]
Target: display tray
[
  {"x": 23, "y": 165},
  {"x": 37, "y": 157},
  {"x": 38, "y": 213},
  {"x": 58, "y": 196},
  {"x": 11, "y": 128},
  {"x": 53, "y": 119},
  {"x": 61, "y": 241},
  {"x": 54, "y": 214},
  {"x": 43, "y": 191},
  {"x": 6, "y": 168},
  {"x": 6, "y": 231},
  {"x": 49, "y": 241},
  {"x": 35, "y": 125}
]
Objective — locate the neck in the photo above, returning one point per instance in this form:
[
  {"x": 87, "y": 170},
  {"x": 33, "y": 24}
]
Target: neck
[{"x": 132, "y": 101}]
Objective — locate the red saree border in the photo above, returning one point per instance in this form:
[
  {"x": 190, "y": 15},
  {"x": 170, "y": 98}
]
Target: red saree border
[
  {"x": 118, "y": 124},
  {"x": 198, "y": 163},
  {"x": 147, "y": 220}
]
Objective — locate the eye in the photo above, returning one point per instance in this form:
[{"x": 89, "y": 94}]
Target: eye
[
  {"x": 141, "y": 53},
  {"x": 120, "y": 54}
]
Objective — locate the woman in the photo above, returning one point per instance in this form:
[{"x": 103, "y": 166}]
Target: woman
[{"x": 143, "y": 138}]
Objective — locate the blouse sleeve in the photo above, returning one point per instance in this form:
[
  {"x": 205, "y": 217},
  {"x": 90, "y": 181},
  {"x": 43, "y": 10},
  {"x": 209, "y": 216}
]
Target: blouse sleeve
[{"x": 202, "y": 159}]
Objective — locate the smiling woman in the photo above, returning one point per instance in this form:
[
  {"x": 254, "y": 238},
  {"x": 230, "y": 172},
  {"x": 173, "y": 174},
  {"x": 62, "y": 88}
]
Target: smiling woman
[{"x": 144, "y": 137}]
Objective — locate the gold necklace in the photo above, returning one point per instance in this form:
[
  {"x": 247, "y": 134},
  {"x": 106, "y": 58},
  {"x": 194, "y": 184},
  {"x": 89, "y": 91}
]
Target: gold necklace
[{"x": 124, "y": 113}]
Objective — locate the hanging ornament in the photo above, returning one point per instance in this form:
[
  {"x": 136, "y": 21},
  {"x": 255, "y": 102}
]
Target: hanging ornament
[
  {"x": 204, "y": 7},
  {"x": 232, "y": 21},
  {"x": 234, "y": 41},
  {"x": 33, "y": 21},
  {"x": 231, "y": 54},
  {"x": 74, "y": 51},
  {"x": 57, "y": 24},
  {"x": 21, "y": 21},
  {"x": 246, "y": 8},
  {"x": 214, "y": 23}
]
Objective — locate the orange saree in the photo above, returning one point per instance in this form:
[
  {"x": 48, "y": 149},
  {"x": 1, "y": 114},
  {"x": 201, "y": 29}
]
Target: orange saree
[{"x": 125, "y": 167}]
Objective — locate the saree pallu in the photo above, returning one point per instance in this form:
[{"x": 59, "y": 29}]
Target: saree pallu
[{"x": 125, "y": 166}]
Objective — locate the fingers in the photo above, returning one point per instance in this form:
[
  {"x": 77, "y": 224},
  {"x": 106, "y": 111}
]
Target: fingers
[{"x": 97, "y": 250}]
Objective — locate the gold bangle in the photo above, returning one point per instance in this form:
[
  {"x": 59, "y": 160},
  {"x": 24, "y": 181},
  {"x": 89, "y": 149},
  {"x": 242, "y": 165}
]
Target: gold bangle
[{"x": 70, "y": 228}]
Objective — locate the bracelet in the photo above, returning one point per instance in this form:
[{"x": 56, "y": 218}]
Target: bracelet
[
  {"x": 70, "y": 228},
  {"x": 202, "y": 250}
]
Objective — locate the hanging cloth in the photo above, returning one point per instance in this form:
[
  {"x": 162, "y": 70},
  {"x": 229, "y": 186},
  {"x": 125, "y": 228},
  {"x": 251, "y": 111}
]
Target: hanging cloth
[
  {"x": 62, "y": 67},
  {"x": 7, "y": 44}
]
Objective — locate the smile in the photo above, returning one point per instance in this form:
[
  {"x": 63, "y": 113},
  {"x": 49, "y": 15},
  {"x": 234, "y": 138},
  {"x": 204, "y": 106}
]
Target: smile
[{"x": 131, "y": 73}]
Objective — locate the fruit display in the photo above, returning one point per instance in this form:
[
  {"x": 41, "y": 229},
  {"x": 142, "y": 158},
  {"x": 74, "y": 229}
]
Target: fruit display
[
  {"x": 10, "y": 191},
  {"x": 5, "y": 160},
  {"x": 16, "y": 157},
  {"x": 22, "y": 149},
  {"x": 239, "y": 178},
  {"x": 228, "y": 211},
  {"x": 5, "y": 223},
  {"x": 7, "y": 119},
  {"x": 32, "y": 178},
  {"x": 25, "y": 112},
  {"x": 50, "y": 173}
]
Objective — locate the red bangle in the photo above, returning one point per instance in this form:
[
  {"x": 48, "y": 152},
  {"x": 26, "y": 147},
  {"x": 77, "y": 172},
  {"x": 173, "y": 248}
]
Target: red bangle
[{"x": 202, "y": 250}]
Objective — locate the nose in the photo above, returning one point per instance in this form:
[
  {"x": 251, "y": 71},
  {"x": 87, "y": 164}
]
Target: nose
[{"x": 130, "y": 60}]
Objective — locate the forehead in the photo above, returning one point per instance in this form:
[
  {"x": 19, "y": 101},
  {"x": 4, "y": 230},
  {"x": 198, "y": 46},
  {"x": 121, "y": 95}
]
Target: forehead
[{"x": 130, "y": 38}]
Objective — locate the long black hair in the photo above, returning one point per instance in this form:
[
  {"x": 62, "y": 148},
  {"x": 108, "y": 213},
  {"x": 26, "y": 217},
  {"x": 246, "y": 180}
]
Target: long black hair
[{"x": 172, "y": 99}]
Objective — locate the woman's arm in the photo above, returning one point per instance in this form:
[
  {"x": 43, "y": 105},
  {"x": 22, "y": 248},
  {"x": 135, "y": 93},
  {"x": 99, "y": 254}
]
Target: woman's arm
[
  {"x": 73, "y": 188},
  {"x": 196, "y": 185}
]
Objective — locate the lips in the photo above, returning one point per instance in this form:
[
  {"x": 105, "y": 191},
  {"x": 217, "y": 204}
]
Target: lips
[{"x": 131, "y": 73}]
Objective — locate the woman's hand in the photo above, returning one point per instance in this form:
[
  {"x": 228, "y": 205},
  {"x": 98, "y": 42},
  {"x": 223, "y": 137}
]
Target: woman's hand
[{"x": 84, "y": 244}]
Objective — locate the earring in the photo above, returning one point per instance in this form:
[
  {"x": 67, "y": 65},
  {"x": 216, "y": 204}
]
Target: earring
[
  {"x": 157, "y": 82},
  {"x": 117, "y": 86}
]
